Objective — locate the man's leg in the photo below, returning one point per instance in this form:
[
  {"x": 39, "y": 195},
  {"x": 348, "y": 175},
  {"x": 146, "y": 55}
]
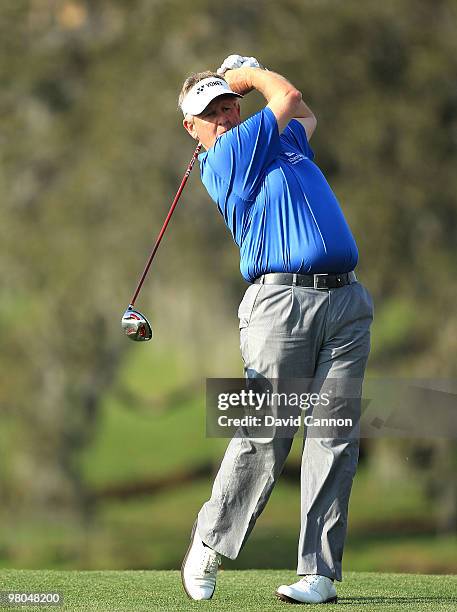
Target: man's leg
[
  {"x": 241, "y": 490},
  {"x": 329, "y": 464},
  {"x": 276, "y": 343}
]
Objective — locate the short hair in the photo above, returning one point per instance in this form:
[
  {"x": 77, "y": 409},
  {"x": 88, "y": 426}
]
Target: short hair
[{"x": 194, "y": 78}]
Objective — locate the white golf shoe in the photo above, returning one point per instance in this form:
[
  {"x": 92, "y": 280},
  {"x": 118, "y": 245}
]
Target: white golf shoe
[
  {"x": 199, "y": 568},
  {"x": 310, "y": 589}
]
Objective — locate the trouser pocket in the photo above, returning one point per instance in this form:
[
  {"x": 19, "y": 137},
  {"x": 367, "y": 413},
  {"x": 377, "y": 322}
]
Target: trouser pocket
[{"x": 247, "y": 305}]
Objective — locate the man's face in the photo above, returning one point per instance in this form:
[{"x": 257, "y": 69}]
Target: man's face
[{"x": 221, "y": 115}]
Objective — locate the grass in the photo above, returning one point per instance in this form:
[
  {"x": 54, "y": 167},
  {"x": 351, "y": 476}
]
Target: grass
[
  {"x": 141, "y": 439},
  {"x": 251, "y": 590}
]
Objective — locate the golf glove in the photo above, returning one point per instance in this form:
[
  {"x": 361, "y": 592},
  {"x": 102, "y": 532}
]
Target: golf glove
[{"x": 238, "y": 61}]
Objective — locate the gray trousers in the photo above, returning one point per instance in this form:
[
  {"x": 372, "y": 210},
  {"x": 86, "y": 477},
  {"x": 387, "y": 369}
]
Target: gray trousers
[{"x": 295, "y": 333}]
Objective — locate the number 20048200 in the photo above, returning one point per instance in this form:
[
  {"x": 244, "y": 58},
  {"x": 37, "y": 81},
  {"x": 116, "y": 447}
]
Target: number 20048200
[{"x": 18, "y": 598}]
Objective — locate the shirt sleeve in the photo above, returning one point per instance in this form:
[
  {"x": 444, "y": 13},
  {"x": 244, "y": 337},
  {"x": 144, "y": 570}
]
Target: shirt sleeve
[
  {"x": 295, "y": 135},
  {"x": 241, "y": 155}
]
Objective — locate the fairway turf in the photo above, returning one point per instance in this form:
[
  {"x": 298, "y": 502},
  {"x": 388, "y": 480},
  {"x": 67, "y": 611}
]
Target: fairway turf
[{"x": 250, "y": 590}]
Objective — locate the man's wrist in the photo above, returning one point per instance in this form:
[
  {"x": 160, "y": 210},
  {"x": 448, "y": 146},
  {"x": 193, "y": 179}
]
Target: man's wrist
[
  {"x": 243, "y": 80},
  {"x": 240, "y": 79}
]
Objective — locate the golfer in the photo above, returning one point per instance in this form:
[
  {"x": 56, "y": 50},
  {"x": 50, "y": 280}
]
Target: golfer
[{"x": 303, "y": 316}]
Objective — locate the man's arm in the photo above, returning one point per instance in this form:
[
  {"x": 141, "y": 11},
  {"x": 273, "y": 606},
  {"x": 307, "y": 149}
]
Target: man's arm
[
  {"x": 283, "y": 99},
  {"x": 307, "y": 118}
]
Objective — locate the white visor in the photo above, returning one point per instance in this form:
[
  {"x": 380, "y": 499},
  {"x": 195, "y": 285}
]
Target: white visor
[{"x": 201, "y": 94}]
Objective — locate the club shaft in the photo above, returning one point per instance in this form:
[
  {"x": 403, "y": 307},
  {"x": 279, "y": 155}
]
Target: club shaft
[{"x": 165, "y": 224}]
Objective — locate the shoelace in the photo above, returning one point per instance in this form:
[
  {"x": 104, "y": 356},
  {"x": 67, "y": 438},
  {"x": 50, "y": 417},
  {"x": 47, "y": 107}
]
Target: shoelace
[
  {"x": 210, "y": 562},
  {"x": 310, "y": 579}
]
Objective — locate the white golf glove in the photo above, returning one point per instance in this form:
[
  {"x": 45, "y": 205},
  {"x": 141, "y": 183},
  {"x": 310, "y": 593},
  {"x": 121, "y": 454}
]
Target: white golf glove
[{"x": 238, "y": 61}]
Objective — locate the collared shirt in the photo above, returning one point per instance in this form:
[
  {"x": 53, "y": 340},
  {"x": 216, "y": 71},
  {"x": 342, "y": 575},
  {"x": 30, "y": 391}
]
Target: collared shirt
[{"x": 275, "y": 201}]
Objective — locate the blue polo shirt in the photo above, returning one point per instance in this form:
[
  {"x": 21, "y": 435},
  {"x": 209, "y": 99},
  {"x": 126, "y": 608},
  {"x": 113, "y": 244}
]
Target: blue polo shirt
[{"x": 275, "y": 201}]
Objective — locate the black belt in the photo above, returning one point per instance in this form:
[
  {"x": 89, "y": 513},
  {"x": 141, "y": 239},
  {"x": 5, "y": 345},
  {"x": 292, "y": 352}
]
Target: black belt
[{"x": 315, "y": 281}]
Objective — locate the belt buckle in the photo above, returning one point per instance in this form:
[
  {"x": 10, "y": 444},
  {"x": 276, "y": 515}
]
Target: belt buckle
[{"x": 316, "y": 281}]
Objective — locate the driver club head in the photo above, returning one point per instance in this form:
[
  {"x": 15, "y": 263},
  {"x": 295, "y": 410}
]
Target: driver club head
[{"x": 136, "y": 326}]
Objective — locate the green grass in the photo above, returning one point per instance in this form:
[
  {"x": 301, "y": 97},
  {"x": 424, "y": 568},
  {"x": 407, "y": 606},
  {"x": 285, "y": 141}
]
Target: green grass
[
  {"x": 131, "y": 445},
  {"x": 236, "y": 590},
  {"x": 144, "y": 438}
]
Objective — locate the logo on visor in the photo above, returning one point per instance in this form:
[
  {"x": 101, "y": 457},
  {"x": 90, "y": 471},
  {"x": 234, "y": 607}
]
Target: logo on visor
[{"x": 210, "y": 84}]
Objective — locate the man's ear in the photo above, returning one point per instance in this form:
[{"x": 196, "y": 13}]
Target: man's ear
[{"x": 189, "y": 126}]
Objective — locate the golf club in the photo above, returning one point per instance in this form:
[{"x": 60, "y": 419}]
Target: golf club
[{"x": 134, "y": 324}]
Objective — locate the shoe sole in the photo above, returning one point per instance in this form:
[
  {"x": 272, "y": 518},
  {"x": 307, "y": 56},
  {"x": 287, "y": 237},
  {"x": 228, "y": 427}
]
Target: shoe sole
[
  {"x": 194, "y": 528},
  {"x": 287, "y": 599}
]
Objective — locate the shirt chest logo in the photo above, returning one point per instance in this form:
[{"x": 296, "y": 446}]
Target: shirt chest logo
[{"x": 294, "y": 158}]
